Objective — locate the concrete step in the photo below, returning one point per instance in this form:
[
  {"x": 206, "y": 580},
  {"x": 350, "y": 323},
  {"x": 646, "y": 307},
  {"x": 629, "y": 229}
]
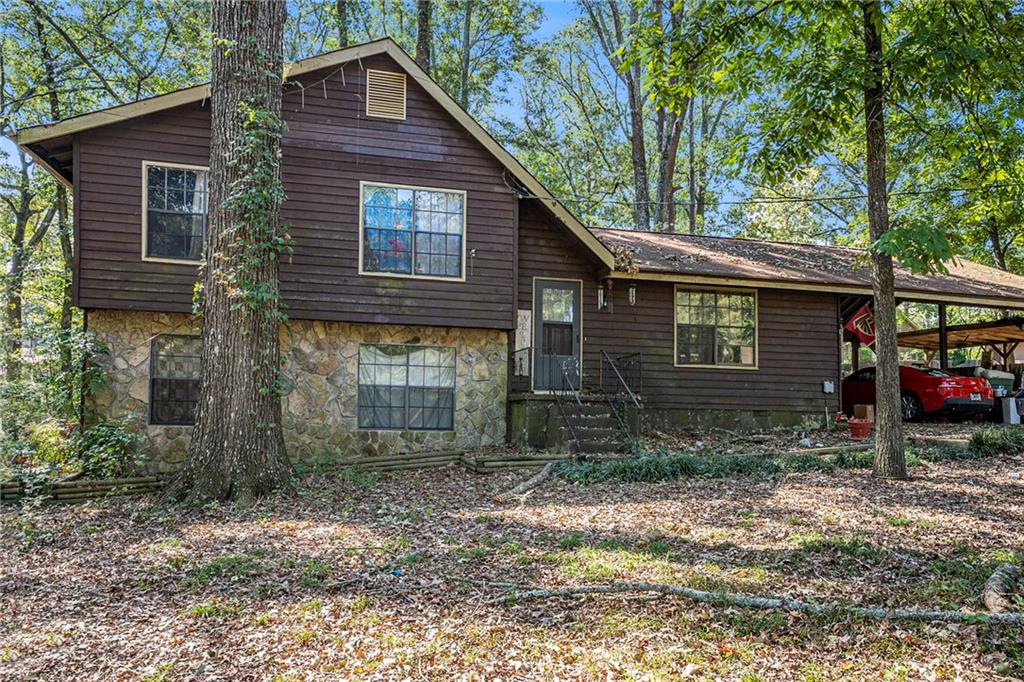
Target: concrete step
[
  {"x": 595, "y": 433},
  {"x": 600, "y": 421},
  {"x": 600, "y": 446}
]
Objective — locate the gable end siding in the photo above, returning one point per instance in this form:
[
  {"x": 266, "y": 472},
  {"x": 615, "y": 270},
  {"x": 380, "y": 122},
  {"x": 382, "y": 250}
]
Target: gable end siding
[{"x": 330, "y": 147}]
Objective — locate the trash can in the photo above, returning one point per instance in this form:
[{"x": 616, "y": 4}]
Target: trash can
[{"x": 1011, "y": 412}]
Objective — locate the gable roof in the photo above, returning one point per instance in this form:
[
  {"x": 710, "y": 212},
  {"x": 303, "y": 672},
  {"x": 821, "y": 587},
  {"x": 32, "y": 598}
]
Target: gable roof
[
  {"x": 697, "y": 259},
  {"x": 30, "y": 139}
]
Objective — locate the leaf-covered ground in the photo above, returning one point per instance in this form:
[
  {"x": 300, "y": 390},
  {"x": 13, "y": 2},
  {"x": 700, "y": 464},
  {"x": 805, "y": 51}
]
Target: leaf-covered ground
[{"x": 293, "y": 589}]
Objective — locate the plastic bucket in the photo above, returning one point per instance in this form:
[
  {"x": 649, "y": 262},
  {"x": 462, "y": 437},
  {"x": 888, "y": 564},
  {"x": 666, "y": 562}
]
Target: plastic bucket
[{"x": 860, "y": 429}]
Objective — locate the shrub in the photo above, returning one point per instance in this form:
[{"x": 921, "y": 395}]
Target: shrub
[
  {"x": 107, "y": 450},
  {"x": 997, "y": 441},
  {"x": 49, "y": 443}
]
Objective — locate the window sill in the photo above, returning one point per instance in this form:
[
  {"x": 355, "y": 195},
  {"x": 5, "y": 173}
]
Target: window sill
[
  {"x": 174, "y": 261},
  {"x": 362, "y": 429},
  {"x": 728, "y": 368},
  {"x": 399, "y": 275}
]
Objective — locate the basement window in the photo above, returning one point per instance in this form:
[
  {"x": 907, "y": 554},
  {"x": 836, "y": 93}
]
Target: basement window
[
  {"x": 716, "y": 328},
  {"x": 174, "y": 212},
  {"x": 412, "y": 231},
  {"x": 174, "y": 379},
  {"x": 406, "y": 387}
]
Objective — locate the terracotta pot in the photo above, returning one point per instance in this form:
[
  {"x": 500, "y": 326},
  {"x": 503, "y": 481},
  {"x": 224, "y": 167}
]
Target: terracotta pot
[{"x": 860, "y": 429}]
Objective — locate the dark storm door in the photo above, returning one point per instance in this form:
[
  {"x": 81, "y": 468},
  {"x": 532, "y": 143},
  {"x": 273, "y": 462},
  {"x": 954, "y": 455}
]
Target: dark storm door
[{"x": 556, "y": 334}]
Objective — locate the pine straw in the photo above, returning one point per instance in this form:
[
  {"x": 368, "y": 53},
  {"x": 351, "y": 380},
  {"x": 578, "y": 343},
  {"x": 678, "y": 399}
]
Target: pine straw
[{"x": 403, "y": 576}]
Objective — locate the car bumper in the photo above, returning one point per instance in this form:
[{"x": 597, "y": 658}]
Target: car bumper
[{"x": 965, "y": 406}]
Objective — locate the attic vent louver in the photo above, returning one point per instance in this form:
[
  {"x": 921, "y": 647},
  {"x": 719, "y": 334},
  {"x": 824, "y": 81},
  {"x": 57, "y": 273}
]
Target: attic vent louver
[{"x": 385, "y": 94}]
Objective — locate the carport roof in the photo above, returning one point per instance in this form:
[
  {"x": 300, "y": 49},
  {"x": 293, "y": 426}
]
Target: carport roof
[
  {"x": 1006, "y": 331},
  {"x": 726, "y": 260}
]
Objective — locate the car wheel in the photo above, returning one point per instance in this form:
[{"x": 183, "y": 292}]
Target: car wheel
[{"x": 910, "y": 407}]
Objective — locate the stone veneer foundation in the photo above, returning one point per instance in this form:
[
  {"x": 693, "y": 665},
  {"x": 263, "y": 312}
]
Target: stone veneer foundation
[{"x": 320, "y": 362}]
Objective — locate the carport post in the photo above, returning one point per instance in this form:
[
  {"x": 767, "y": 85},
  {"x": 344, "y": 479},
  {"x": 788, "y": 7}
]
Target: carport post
[{"x": 943, "y": 341}]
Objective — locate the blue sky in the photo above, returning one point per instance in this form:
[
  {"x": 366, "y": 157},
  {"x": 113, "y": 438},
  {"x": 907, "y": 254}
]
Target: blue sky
[{"x": 556, "y": 15}]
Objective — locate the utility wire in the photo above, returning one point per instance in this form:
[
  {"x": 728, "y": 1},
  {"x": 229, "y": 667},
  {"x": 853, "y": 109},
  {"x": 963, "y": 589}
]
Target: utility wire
[{"x": 778, "y": 200}]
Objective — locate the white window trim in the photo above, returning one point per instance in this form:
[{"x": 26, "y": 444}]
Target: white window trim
[
  {"x": 728, "y": 368},
  {"x": 145, "y": 209},
  {"x": 413, "y": 275}
]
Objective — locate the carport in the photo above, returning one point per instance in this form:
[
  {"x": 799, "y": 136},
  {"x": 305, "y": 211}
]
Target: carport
[{"x": 1001, "y": 336}]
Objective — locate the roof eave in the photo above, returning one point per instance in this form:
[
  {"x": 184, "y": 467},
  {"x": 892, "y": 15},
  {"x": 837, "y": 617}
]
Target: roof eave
[
  {"x": 387, "y": 46},
  {"x": 980, "y": 300}
]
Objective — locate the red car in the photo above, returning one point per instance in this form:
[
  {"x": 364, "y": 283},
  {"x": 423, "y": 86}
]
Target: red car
[{"x": 923, "y": 390}]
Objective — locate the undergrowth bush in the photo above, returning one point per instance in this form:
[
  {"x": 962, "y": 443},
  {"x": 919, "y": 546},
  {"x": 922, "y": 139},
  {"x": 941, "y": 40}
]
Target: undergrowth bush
[
  {"x": 52, "y": 450},
  {"x": 661, "y": 465},
  {"x": 997, "y": 441},
  {"x": 107, "y": 450}
]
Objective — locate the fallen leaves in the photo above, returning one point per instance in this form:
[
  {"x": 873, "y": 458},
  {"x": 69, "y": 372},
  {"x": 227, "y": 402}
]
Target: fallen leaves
[{"x": 393, "y": 578}]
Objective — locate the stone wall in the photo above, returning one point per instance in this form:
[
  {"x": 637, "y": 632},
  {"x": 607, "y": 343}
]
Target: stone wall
[{"x": 320, "y": 364}]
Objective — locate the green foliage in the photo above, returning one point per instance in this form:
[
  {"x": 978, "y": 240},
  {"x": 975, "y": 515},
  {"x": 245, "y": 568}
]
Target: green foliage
[
  {"x": 214, "y": 609},
  {"x": 107, "y": 450},
  {"x": 231, "y": 567},
  {"x": 997, "y": 441},
  {"x": 666, "y": 466},
  {"x": 314, "y": 573}
]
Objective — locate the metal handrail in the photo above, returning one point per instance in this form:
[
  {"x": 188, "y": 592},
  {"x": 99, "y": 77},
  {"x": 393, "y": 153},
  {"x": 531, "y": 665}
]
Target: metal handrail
[
  {"x": 563, "y": 402},
  {"x": 623, "y": 384},
  {"x": 520, "y": 369},
  {"x": 618, "y": 395}
]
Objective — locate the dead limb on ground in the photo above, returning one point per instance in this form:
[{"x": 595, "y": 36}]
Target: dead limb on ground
[
  {"x": 745, "y": 601},
  {"x": 995, "y": 594},
  {"x": 530, "y": 483}
]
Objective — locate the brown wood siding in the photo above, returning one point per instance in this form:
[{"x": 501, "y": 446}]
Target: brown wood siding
[
  {"x": 798, "y": 335},
  {"x": 330, "y": 147}
]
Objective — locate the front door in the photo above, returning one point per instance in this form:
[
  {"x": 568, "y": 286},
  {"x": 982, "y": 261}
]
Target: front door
[{"x": 556, "y": 334}]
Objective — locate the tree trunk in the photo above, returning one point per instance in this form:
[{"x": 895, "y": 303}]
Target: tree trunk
[
  {"x": 13, "y": 294},
  {"x": 890, "y": 461},
  {"x": 64, "y": 229},
  {"x": 424, "y": 35},
  {"x": 237, "y": 449},
  {"x": 691, "y": 172},
  {"x": 998, "y": 252},
  {"x": 341, "y": 8},
  {"x": 467, "y": 24}
]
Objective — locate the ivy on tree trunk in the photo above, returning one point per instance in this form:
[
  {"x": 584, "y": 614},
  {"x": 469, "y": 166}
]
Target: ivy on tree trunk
[{"x": 237, "y": 449}]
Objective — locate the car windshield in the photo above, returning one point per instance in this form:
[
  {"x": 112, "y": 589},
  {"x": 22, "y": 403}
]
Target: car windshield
[{"x": 933, "y": 372}]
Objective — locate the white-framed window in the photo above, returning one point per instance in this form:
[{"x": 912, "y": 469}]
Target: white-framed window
[
  {"x": 174, "y": 374},
  {"x": 412, "y": 231},
  {"x": 715, "y": 328},
  {"x": 405, "y": 387},
  {"x": 175, "y": 198}
]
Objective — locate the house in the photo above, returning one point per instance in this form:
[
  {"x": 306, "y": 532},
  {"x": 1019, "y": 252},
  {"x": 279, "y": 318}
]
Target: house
[{"x": 438, "y": 296}]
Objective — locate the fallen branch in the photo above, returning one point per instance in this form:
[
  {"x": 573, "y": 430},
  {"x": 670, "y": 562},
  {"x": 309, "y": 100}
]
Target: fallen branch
[
  {"x": 530, "y": 483},
  {"x": 995, "y": 594},
  {"x": 745, "y": 601}
]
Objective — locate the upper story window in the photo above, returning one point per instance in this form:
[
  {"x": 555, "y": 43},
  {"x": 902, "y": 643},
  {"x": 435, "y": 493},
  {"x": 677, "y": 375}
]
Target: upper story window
[
  {"x": 716, "y": 328},
  {"x": 411, "y": 231},
  {"x": 174, "y": 215}
]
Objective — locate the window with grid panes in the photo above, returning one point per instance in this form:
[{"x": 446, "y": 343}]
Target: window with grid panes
[
  {"x": 406, "y": 387},
  {"x": 174, "y": 379},
  {"x": 176, "y": 202},
  {"x": 716, "y": 328},
  {"x": 416, "y": 232}
]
